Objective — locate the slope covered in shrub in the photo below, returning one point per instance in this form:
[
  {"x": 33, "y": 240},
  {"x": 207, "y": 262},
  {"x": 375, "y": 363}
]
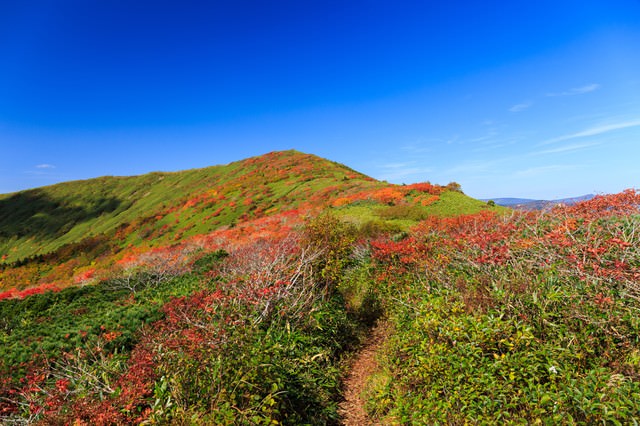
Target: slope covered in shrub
[
  {"x": 530, "y": 318},
  {"x": 493, "y": 316},
  {"x": 252, "y": 335},
  {"x": 76, "y": 231}
]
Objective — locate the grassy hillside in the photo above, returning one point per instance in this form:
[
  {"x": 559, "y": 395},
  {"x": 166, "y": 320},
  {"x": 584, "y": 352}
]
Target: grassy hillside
[
  {"x": 41, "y": 220},
  {"x": 52, "y": 234}
]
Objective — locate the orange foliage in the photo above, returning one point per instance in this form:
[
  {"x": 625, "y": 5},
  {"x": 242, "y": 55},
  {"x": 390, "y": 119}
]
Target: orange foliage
[
  {"x": 85, "y": 275},
  {"x": 425, "y": 187},
  {"x": 15, "y": 294},
  {"x": 388, "y": 195}
]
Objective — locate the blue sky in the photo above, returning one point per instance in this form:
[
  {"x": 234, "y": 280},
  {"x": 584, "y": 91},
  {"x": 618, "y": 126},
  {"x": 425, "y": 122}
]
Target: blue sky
[{"x": 529, "y": 99}]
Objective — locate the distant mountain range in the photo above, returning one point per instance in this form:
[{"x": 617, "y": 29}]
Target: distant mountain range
[{"x": 529, "y": 204}]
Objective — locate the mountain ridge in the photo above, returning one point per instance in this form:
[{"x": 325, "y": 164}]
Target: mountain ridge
[
  {"x": 135, "y": 196},
  {"x": 74, "y": 224},
  {"x": 534, "y": 204}
]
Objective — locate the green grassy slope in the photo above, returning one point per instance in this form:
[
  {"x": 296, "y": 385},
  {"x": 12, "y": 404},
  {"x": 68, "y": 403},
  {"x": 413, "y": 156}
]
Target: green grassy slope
[
  {"x": 404, "y": 216},
  {"x": 42, "y": 220},
  {"x": 50, "y": 234}
]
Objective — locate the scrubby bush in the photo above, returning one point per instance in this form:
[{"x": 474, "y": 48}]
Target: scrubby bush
[
  {"x": 333, "y": 238},
  {"x": 255, "y": 336},
  {"x": 454, "y": 186},
  {"x": 528, "y": 318}
]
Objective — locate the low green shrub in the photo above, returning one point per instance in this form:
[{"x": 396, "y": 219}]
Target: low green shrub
[{"x": 528, "y": 319}]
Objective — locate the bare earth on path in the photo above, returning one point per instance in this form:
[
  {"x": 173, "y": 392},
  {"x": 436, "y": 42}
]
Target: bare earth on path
[{"x": 352, "y": 408}]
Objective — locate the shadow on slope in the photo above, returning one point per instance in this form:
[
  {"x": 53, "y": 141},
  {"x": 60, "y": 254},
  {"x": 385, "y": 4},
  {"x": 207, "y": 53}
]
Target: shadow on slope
[{"x": 35, "y": 214}]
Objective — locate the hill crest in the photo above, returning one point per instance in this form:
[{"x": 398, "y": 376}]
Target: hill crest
[{"x": 53, "y": 233}]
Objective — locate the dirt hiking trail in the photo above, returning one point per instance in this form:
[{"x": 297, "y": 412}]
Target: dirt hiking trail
[{"x": 352, "y": 410}]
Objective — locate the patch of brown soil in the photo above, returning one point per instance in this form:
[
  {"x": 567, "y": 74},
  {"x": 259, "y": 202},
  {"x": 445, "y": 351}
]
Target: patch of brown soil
[{"x": 352, "y": 408}]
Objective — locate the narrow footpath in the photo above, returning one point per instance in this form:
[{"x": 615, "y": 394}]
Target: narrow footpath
[{"x": 352, "y": 409}]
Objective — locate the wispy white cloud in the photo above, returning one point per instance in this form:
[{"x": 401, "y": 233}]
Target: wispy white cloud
[
  {"x": 488, "y": 137},
  {"x": 576, "y": 90},
  {"x": 419, "y": 148},
  {"x": 397, "y": 171},
  {"x": 453, "y": 139},
  {"x": 496, "y": 144},
  {"x": 395, "y": 166},
  {"x": 567, "y": 148},
  {"x": 474, "y": 167},
  {"x": 402, "y": 173},
  {"x": 520, "y": 107},
  {"x": 423, "y": 146},
  {"x": 41, "y": 170},
  {"x": 593, "y": 131},
  {"x": 537, "y": 171},
  {"x": 585, "y": 89}
]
